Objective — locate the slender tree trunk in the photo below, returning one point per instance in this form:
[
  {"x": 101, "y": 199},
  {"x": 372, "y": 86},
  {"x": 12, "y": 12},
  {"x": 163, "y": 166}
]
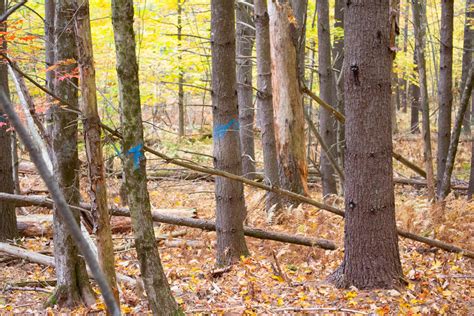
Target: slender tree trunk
[
  {"x": 8, "y": 228},
  {"x": 371, "y": 256},
  {"x": 73, "y": 287},
  {"x": 419, "y": 21},
  {"x": 415, "y": 101},
  {"x": 445, "y": 88},
  {"x": 467, "y": 57},
  {"x": 92, "y": 136},
  {"x": 403, "y": 82},
  {"x": 287, "y": 99},
  {"x": 181, "y": 106},
  {"x": 244, "y": 43},
  {"x": 394, "y": 32},
  {"x": 264, "y": 103},
  {"x": 338, "y": 56},
  {"x": 158, "y": 291},
  {"x": 300, "y": 9},
  {"x": 230, "y": 202},
  {"x": 453, "y": 145},
  {"x": 328, "y": 94}
]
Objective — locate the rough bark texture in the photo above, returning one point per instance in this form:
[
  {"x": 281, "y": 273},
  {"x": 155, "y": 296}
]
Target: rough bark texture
[
  {"x": 415, "y": 101},
  {"x": 287, "y": 100},
  {"x": 134, "y": 162},
  {"x": 73, "y": 286},
  {"x": 230, "y": 202},
  {"x": 371, "y": 257},
  {"x": 445, "y": 87},
  {"x": 419, "y": 21},
  {"x": 92, "y": 137},
  {"x": 265, "y": 106},
  {"x": 300, "y": 8},
  {"x": 7, "y": 210},
  {"x": 467, "y": 57},
  {"x": 327, "y": 88},
  {"x": 244, "y": 43}
]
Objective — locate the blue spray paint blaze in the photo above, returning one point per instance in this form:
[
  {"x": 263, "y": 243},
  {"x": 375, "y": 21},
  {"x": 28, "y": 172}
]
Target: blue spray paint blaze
[
  {"x": 221, "y": 130},
  {"x": 137, "y": 155}
]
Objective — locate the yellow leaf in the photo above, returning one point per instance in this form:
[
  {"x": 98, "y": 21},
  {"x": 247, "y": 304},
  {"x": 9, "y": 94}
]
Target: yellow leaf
[
  {"x": 280, "y": 301},
  {"x": 350, "y": 295}
]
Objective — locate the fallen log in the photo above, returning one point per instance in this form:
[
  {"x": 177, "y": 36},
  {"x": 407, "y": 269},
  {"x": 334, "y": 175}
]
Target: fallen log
[
  {"x": 49, "y": 261},
  {"x": 422, "y": 183},
  {"x": 182, "y": 221}
]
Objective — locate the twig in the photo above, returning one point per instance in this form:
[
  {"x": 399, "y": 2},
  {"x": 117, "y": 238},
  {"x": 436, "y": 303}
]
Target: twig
[
  {"x": 26, "y": 288},
  {"x": 318, "y": 309},
  {"x": 10, "y": 11}
]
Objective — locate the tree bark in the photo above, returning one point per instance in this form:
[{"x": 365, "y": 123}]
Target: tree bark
[
  {"x": 287, "y": 100},
  {"x": 415, "y": 101},
  {"x": 264, "y": 103},
  {"x": 338, "y": 61},
  {"x": 300, "y": 8},
  {"x": 371, "y": 256},
  {"x": 453, "y": 145},
  {"x": 92, "y": 137},
  {"x": 7, "y": 210},
  {"x": 445, "y": 88},
  {"x": 230, "y": 202},
  {"x": 244, "y": 45},
  {"x": 158, "y": 292},
  {"x": 467, "y": 57},
  {"x": 419, "y": 21},
  {"x": 328, "y": 94},
  {"x": 73, "y": 287}
]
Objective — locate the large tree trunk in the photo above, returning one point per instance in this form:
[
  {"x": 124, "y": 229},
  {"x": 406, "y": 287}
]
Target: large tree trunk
[
  {"x": 230, "y": 203},
  {"x": 73, "y": 287},
  {"x": 7, "y": 210},
  {"x": 287, "y": 100},
  {"x": 445, "y": 87},
  {"x": 419, "y": 21},
  {"x": 134, "y": 162},
  {"x": 328, "y": 94},
  {"x": 371, "y": 256},
  {"x": 92, "y": 136},
  {"x": 264, "y": 103},
  {"x": 244, "y": 43},
  {"x": 467, "y": 57}
]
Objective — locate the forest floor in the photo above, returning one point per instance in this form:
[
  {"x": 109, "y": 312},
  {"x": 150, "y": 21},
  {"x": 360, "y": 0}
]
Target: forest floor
[{"x": 438, "y": 282}]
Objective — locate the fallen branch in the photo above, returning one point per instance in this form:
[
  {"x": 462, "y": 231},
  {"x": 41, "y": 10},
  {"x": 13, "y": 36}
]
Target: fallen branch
[
  {"x": 423, "y": 183},
  {"x": 49, "y": 261},
  {"x": 189, "y": 222}
]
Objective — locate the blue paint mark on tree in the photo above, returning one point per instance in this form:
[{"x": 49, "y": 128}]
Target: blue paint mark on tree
[
  {"x": 137, "y": 155},
  {"x": 221, "y": 130}
]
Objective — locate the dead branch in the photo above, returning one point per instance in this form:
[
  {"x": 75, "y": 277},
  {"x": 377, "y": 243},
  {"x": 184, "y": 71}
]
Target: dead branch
[{"x": 10, "y": 11}]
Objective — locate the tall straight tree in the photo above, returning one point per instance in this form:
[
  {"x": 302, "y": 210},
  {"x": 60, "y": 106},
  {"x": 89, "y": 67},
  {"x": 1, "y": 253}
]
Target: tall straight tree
[
  {"x": 8, "y": 228},
  {"x": 230, "y": 202},
  {"x": 92, "y": 137},
  {"x": 158, "y": 291},
  {"x": 419, "y": 24},
  {"x": 328, "y": 94},
  {"x": 415, "y": 101},
  {"x": 445, "y": 88},
  {"x": 245, "y": 39},
  {"x": 467, "y": 57},
  {"x": 300, "y": 9},
  {"x": 264, "y": 103},
  {"x": 338, "y": 60},
  {"x": 287, "y": 99},
  {"x": 371, "y": 256},
  {"x": 73, "y": 287}
]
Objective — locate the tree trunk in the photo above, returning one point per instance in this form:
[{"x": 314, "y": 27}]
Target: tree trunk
[
  {"x": 445, "y": 88},
  {"x": 453, "y": 145},
  {"x": 230, "y": 202},
  {"x": 371, "y": 256},
  {"x": 300, "y": 8},
  {"x": 181, "y": 106},
  {"x": 264, "y": 103},
  {"x": 287, "y": 100},
  {"x": 244, "y": 43},
  {"x": 403, "y": 88},
  {"x": 419, "y": 21},
  {"x": 394, "y": 32},
  {"x": 134, "y": 162},
  {"x": 73, "y": 287},
  {"x": 338, "y": 60},
  {"x": 415, "y": 101},
  {"x": 467, "y": 57},
  {"x": 7, "y": 210},
  {"x": 92, "y": 137},
  {"x": 327, "y": 93}
]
